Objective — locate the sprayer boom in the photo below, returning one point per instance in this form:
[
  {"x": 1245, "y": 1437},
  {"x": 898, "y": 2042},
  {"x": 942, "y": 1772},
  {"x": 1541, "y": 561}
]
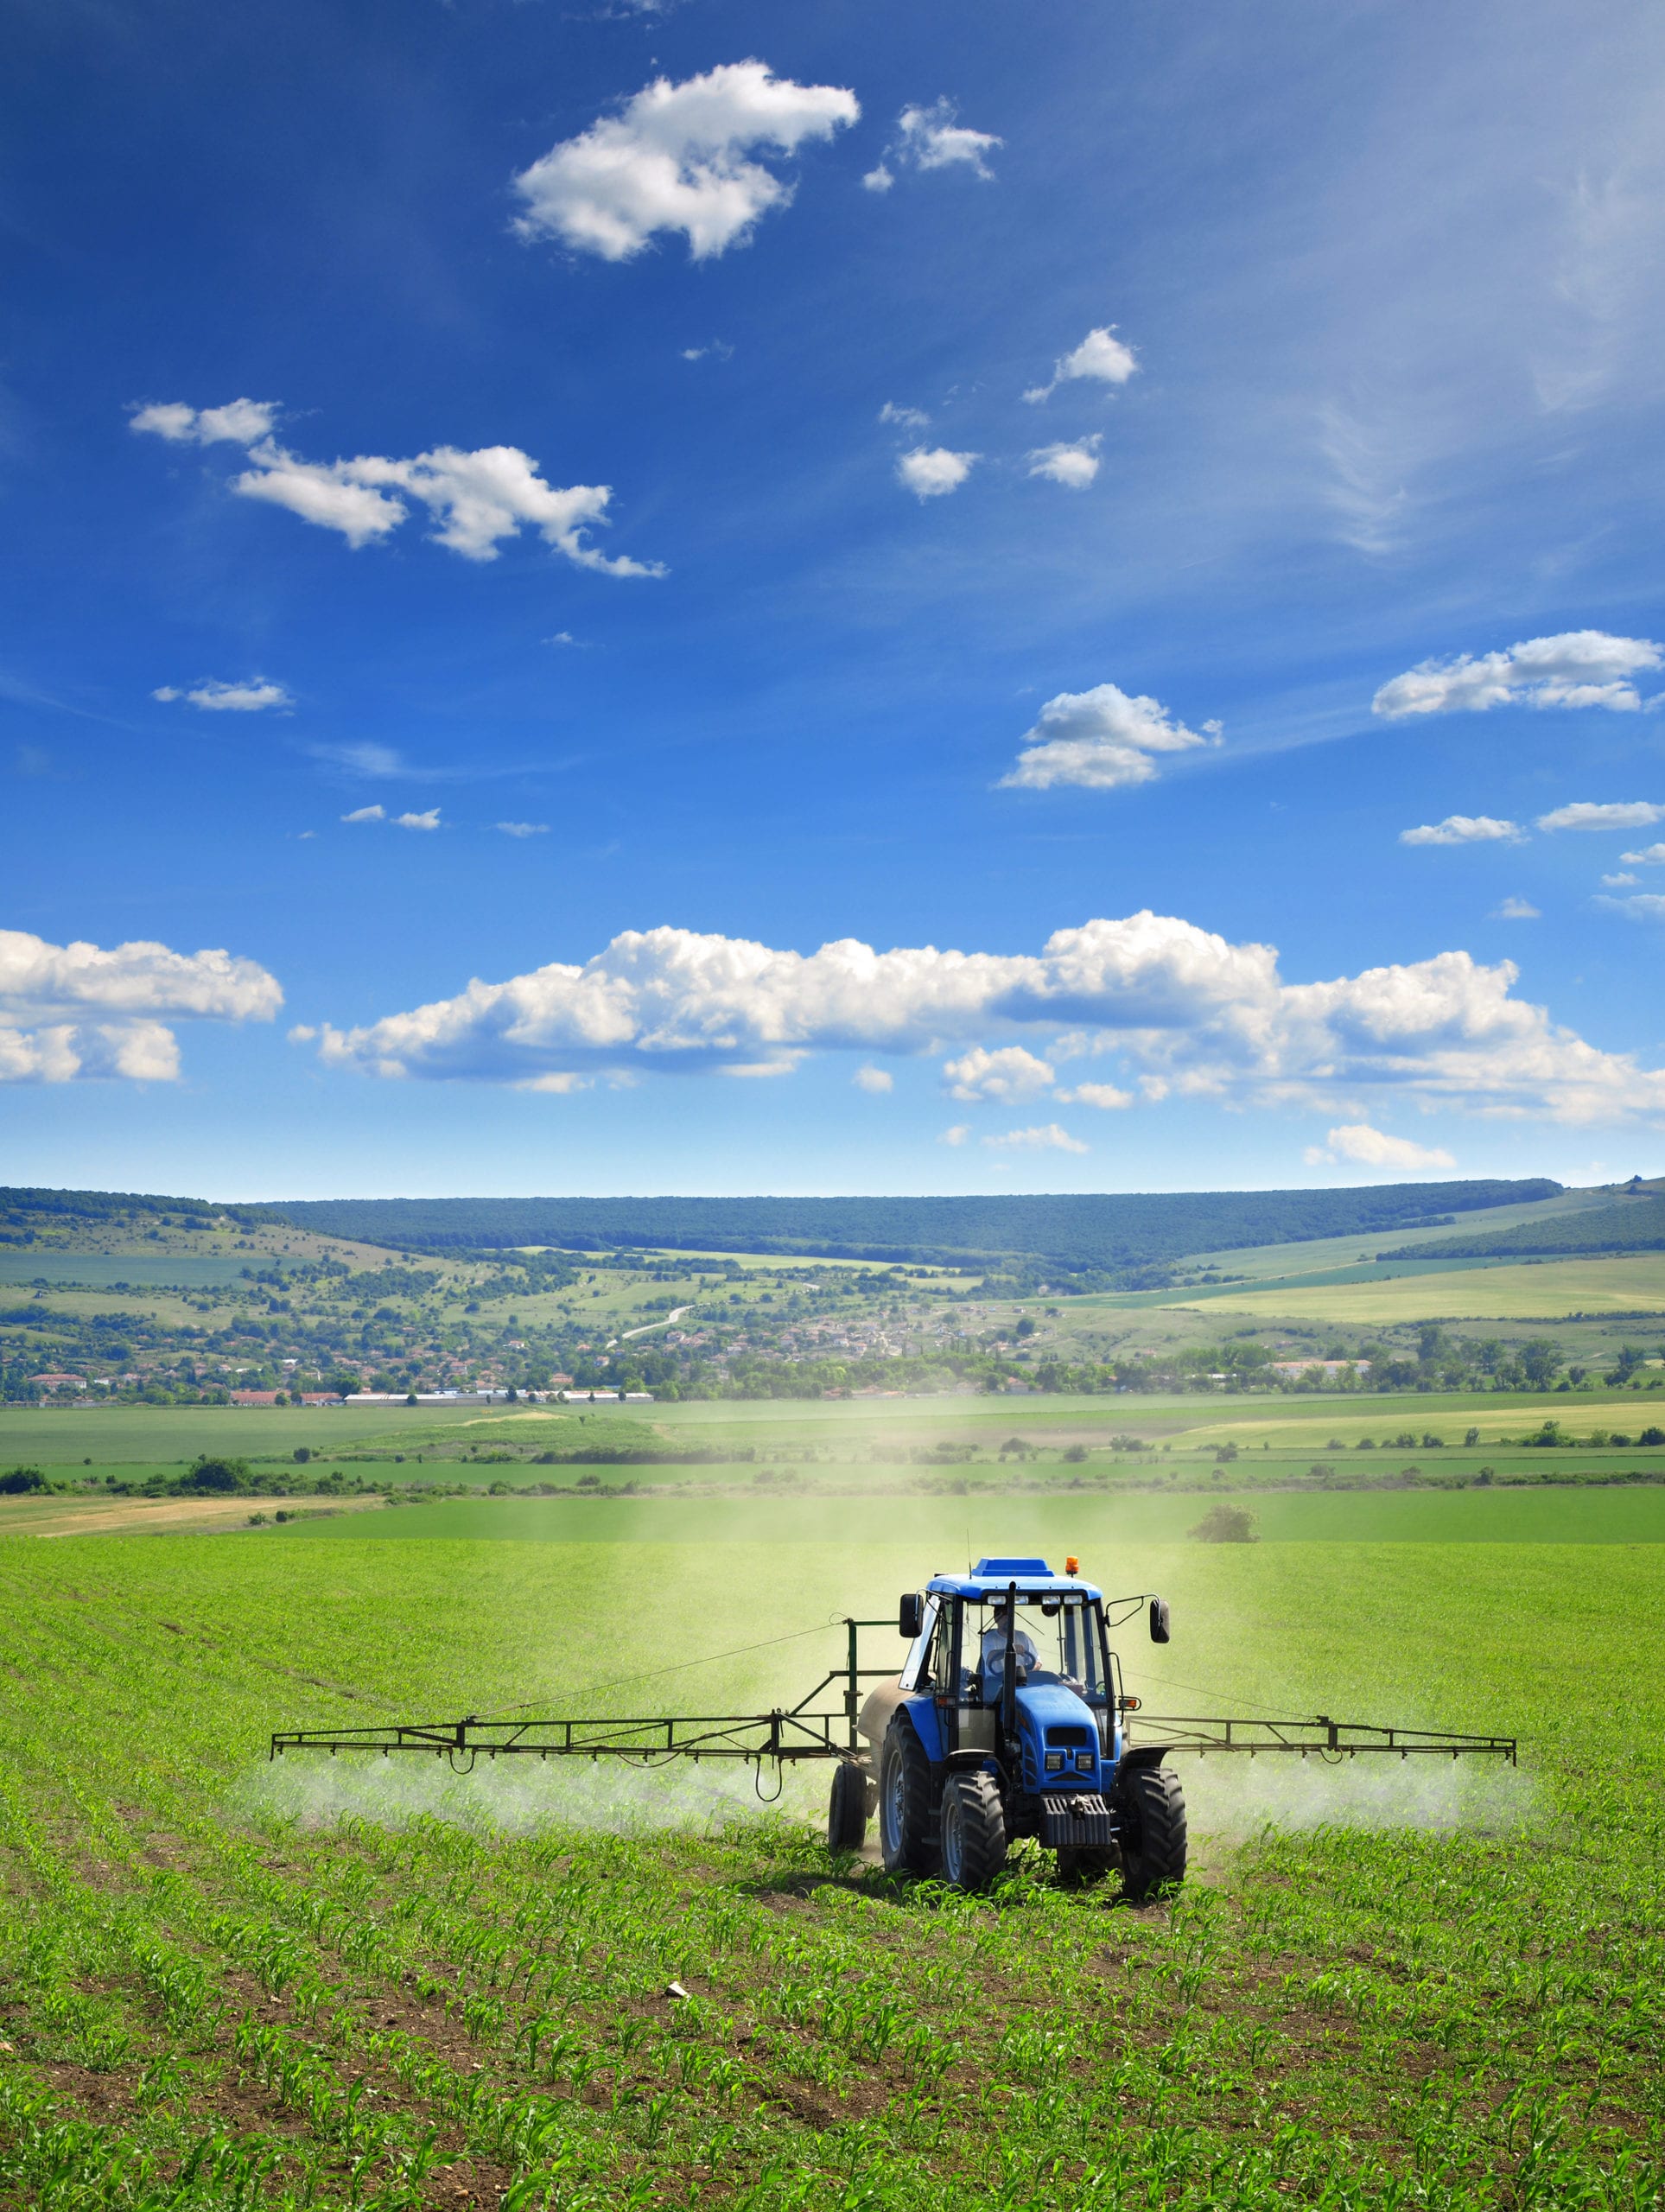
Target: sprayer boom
[{"x": 1007, "y": 1720}]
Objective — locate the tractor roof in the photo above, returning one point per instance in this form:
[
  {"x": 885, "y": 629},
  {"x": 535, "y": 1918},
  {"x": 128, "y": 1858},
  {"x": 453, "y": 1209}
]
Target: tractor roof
[{"x": 993, "y": 1577}]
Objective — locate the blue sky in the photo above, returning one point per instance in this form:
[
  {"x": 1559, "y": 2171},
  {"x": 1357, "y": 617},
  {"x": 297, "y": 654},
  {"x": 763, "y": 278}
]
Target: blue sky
[{"x": 1037, "y": 503}]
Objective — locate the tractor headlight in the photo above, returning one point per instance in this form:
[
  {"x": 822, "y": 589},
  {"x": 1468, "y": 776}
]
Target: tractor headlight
[{"x": 1054, "y": 1762}]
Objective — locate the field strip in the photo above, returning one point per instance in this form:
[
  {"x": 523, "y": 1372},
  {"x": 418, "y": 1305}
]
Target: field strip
[
  {"x": 1549, "y": 1290},
  {"x": 126, "y": 1517}
]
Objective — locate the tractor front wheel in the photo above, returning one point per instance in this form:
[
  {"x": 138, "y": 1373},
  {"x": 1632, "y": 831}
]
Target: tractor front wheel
[
  {"x": 907, "y": 1834},
  {"x": 1152, "y": 1809},
  {"x": 846, "y": 1814},
  {"x": 974, "y": 1831}
]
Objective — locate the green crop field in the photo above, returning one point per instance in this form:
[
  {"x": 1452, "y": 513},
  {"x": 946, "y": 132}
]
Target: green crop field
[
  {"x": 348, "y": 1984},
  {"x": 1103, "y": 1528}
]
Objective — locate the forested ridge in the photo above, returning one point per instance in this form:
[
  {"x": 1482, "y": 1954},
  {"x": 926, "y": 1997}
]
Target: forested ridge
[
  {"x": 1094, "y": 1234},
  {"x": 1635, "y": 1225}
]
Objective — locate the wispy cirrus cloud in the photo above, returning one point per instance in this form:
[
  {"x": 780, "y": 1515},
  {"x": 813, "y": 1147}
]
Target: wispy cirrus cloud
[{"x": 682, "y": 159}]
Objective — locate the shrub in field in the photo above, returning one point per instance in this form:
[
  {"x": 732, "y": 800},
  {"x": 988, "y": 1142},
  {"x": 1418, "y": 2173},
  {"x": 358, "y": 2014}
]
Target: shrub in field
[
  {"x": 223, "y": 1475},
  {"x": 1225, "y": 1524}
]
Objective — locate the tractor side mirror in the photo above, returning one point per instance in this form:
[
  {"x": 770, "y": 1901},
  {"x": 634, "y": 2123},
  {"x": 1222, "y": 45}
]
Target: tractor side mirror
[
  {"x": 911, "y": 1617},
  {"x": 1160, "y": 1630}
]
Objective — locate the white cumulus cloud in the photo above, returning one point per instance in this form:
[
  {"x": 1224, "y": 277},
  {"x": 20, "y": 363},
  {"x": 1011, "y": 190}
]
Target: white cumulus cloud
[
  {"x": 253, "y": 697},
  {"x": 875, "y": 1081},
  {"x": 1195, "y": 1015},
  {"x": 932, "y": 138},
  {"x": 1003, "y": 1077},
  {"x": 1464, "y": 829},
  {"x": 1358, "y": 1141},
  {"x": 1618, "y": 814},
  {"x": 476, "y": 499},
  {"x": 1101, "y": 358},
  {"x": 1104, "y": 1096},
  {"x": 239, "y": 423},
  {"x": 1101, "y": 739},
  {"x": 84, "y": 1011},
  {"x": 931, "y": 471},
  {"x": 1051, "y": 1138},
  {"x": 1579, "y": 668},
  {"x": 1073, "y": 463},
  {"x": 679, "y": 158}
]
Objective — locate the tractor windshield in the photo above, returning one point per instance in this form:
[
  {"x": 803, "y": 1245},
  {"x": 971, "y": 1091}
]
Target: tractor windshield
[{"x": 1058, "y": 1640}]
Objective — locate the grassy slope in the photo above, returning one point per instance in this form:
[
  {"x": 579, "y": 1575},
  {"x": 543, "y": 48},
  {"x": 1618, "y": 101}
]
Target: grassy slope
[
  {"x": 1450, "y": 1291},
  {"x": 1338, "y": 2015}
]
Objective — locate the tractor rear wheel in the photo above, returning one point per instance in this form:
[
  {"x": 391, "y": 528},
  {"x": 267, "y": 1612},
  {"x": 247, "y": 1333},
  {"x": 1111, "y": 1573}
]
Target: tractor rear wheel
[
  {"x": 974, "y": 1831},
  {"x": 846, "y": 1814},
  {"x": 1152, "y": 1809},
  {"x": 907, "y": 1834}
]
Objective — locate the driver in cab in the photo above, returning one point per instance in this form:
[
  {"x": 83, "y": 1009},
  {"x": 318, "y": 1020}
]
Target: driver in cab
[{"x": 993, "y": 1655}]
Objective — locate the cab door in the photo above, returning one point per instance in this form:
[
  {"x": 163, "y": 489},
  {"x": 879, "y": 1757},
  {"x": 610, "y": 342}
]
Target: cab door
[{"x": 945, "y": 1673}]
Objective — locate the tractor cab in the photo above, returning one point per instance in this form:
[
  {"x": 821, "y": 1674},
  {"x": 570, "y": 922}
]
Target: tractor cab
[
  {"x": 1006, "y": 1720},
  {"x": 1051, "y": 1631}
]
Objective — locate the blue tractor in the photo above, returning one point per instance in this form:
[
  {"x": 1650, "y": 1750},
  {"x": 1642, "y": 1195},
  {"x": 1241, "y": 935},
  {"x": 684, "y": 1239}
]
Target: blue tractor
[{"x": 1007, "y": 1720}]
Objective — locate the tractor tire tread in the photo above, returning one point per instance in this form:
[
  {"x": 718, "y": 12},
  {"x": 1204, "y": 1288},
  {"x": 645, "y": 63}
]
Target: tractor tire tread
[
  {"x": 846, "y": 1810},
  {"x": 973, "y": 1839},
  {"x": 915, "y": 1849},
  {"x": 1155, "y": 1836}
]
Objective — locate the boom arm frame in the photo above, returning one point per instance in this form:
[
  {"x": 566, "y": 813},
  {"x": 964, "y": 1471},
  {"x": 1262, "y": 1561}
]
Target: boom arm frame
[{"x": 787, "y": 1735}]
